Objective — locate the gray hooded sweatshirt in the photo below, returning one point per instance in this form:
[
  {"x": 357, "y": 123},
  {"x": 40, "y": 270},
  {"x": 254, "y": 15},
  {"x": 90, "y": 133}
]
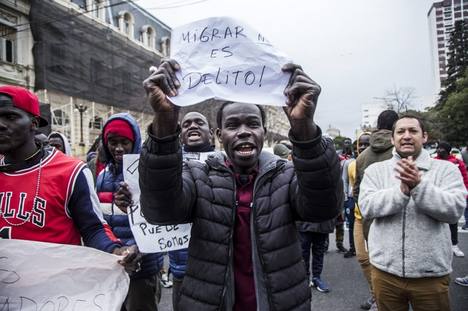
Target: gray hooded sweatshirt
[
  {"x": 410, "y": 235},
  {"x": 66, "y": 144}
]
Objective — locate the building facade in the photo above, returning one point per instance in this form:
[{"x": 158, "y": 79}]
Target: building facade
[
  {"x": 75, "y": 111},
  {"x": 86, "y": 59},
  {"x": 16, "y": 59},
  {"x": 441, "y": 18}
]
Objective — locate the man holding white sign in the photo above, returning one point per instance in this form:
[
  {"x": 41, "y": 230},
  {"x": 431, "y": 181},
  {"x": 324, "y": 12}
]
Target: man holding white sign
[{"x": 244, "y": 252}]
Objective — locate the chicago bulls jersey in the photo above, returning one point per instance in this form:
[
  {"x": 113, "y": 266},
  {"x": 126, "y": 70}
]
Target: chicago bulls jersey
[{"x": 34, "y": 201}]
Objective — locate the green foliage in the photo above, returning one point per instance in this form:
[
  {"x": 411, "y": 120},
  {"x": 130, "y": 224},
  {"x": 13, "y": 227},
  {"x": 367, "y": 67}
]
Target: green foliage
[
  {"x": 453, "y": 115},
  {"x": 431, "y": 123},
  {"x": 457, "y": 61},
  {"x": 449, "y": 118}
]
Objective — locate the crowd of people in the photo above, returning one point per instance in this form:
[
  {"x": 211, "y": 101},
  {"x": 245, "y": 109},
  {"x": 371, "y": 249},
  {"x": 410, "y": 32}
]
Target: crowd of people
[{"x": 256, "y": 217}]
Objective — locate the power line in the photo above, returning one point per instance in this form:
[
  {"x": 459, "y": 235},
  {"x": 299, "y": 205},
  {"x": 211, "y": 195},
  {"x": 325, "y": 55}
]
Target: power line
[
  {"x": 64, "y": 18},
  {"x": 177, "y": 5}
]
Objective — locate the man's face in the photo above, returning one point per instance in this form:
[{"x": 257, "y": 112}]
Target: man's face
[
  {"x": 408, "y": 137},
  {"x": 242, "y": 135},
  {"x": 118, "y": 146},
  {"x": 442, "y": 153},
  {"x": 17, "y": 127},
  {"x": 57, "y": 143},
  {"x": 364, "y": 142},
  {"x": 195, "y": 130},
  {"x": 347, "y": 143}
]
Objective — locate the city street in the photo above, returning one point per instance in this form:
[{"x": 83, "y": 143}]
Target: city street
[{"x": 348, "y": 287}]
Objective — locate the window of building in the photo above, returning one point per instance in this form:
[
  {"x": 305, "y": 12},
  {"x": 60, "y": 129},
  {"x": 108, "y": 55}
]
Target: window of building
[
  {"x": 148, "y": 36},
  {"x": 126, "y": 23},
  {"x": 96, "y": 123},
  {"x": 165, "y": 45},
  {"x": 7, "y": 44},
  {"x": 61, "y": 122},
  {"x": 60, "y": 118},
  {"x": 99, "y": 9}
]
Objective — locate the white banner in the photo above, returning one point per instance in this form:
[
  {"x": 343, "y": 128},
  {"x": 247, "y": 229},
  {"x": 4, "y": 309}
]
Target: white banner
[
  {"x": 44, "y": 276},
  {"x": 150, "y": 238},
  {"x": 224, "y": 58}
]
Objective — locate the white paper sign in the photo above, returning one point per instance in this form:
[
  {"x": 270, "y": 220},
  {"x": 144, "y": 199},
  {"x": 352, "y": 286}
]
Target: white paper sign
[
  {"x": 224, "y": 58},
  {"x": 150, "y": 238},
  {"x": 44, "y": 276}
]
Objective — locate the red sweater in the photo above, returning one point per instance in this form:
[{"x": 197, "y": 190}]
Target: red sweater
[{"x": 243, "y": 266}]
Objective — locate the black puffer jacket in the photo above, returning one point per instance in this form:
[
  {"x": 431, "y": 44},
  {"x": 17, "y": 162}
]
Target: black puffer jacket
[{"x": 204, "y": 193}]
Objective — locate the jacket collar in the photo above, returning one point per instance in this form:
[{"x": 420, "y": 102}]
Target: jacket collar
[
  {"x": 423, "y": 161},
  {"x": 266, "y": 161}
]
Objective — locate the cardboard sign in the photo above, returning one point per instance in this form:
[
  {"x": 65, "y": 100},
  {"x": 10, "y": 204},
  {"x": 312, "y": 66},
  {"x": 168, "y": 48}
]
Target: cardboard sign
[
  {"x": 224, "y": 58},
  {"x": 150, "y": 238},
  {"x": 46, "y": 276}
]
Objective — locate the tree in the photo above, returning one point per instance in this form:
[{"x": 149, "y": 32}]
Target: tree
[
  {"x": 452, "y": 108},
  {"x": 431, "y": 122},
  {"x": 453, "y": 115},
  {"x": 399, "y": 99},
  {"x": 457, "y": 60}
]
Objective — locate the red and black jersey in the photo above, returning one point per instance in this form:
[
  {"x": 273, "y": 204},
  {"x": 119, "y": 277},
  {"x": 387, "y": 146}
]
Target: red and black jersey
[{"x": 53, "y": 201}]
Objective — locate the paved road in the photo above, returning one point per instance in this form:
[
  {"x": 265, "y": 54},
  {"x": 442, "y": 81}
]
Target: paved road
[{"x": 349, "y": 289}]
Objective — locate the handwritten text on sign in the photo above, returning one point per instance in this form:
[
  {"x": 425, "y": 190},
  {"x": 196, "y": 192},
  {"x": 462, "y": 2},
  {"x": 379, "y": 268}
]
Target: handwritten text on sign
[
  {"x": 45, "y": 276},
  {"x": 150, "y": 238},
  {"x": 223, "y": 58}
]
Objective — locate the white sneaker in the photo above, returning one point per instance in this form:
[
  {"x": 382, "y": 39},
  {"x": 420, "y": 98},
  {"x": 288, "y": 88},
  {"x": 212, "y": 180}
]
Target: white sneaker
[
  {"x": 457, "y": 251},
  {"x": 165, "y": 282}
]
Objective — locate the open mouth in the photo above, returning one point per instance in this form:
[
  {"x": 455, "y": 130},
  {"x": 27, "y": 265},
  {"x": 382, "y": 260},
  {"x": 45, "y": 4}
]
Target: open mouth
[
  {"x": 406, "y": 145},
  {"x": 245, "y": 150},
  {"x": 193, "y": 135}
]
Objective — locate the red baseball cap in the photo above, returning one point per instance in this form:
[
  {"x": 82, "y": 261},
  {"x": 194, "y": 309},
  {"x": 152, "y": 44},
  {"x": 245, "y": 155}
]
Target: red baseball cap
[{"x": 25, "y": 100}]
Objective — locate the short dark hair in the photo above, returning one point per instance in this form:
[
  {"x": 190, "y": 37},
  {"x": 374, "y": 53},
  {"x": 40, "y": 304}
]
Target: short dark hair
[
  {"x": 206, "y": 119},
  {"x": 386, "y": 119},
  {"x": 409, "y": 116},
  {"x": 219, "y": 114}
]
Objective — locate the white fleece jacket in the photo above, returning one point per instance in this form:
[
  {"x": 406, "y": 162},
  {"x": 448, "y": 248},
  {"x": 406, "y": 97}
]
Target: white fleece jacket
[{"x": 410, "y": 235}]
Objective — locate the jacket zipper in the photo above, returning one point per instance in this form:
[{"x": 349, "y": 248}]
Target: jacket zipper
[
  {"x": 403, "y": 242},
  {"x": 229, "y": 268}
]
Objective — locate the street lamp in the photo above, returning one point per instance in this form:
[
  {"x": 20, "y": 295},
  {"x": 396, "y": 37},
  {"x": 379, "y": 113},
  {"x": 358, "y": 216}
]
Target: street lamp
[{"x": 81, "y": 110}]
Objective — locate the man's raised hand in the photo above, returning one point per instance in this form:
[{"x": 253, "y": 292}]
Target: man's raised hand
[
  {"x": 301, "y": 99},
  {"x": 162, "y": 82}
]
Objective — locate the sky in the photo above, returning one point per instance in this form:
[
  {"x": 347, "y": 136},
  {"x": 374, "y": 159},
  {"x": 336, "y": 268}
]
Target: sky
[{"x": 355, "y": 50}]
